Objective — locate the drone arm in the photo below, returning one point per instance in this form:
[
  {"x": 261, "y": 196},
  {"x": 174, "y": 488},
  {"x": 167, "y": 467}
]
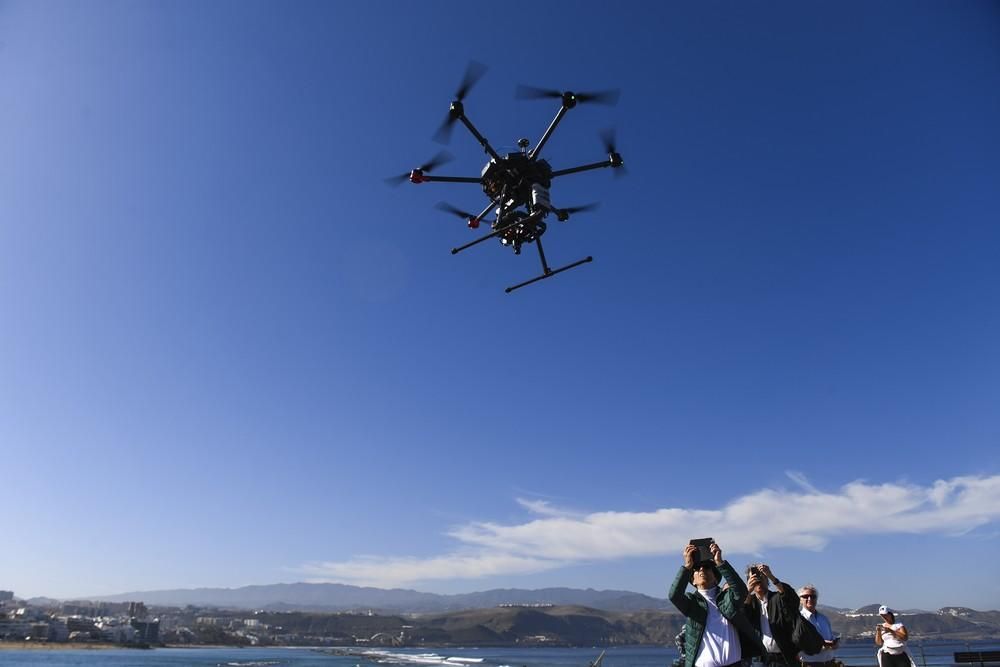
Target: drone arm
[
  {"x": 587, "y": 167},
  {"x": 480, "y": 138},
  {"x": 535, "y": 217},
  {"x": 450, "y": 179},
  {"x": 548, "y": 132},
  {"x": 489, "y": 207}
]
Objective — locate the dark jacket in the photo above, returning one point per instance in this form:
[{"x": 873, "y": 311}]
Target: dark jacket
[
  {"x": 782, "y": 608},
  {"x": 695, "y": 609}
]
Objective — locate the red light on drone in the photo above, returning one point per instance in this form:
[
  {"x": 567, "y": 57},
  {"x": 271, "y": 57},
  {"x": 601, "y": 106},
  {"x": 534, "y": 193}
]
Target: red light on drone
[
  {"x": 417, "y": 176},
  {"x": 473, "y": 223}
]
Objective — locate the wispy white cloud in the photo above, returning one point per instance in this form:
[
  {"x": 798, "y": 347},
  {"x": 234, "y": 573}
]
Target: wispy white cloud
[
  {"x": 807, "y": 518},
  {"x": 545, "y": 508},
  {"x": 383, "y": 571},
  {"x": 800, "y": 479}
]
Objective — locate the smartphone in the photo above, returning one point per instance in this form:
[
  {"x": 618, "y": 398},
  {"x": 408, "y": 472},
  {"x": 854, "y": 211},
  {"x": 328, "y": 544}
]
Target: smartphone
[
  {"x": 702, "y": 543},
  {"x": 755, "y": 572}
]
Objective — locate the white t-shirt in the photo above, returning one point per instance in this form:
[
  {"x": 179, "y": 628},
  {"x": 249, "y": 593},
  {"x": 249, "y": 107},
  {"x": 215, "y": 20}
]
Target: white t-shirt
[
  {"x": 720, "y": 644},
  {"x": 765, "y": 629},
  {"x": 891, "y": 643}
]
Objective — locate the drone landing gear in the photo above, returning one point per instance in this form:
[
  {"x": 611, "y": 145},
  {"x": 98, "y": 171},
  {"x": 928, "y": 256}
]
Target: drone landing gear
[{"x": 546, "y": 271}]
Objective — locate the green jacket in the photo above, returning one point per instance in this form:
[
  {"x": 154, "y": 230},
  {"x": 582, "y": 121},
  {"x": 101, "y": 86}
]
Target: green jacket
[{"x": 695, "y": 610}]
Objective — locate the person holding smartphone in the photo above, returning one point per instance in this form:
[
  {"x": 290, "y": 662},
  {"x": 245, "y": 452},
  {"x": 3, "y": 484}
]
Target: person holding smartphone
[
  {"x": 714, "y": 615},
  {"x": 890, "y": 637},
  {"x": 772, "y": 613}
]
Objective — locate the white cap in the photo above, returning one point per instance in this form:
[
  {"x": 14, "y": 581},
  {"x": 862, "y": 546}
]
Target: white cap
[{"x": 884, "y": 610}]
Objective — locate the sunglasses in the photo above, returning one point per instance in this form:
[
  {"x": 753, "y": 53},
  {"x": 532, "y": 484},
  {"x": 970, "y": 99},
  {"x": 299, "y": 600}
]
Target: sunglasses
[{"x": 808, "y": 596}]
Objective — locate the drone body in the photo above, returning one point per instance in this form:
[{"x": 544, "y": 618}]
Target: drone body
[{"x": 517, "y": 184}]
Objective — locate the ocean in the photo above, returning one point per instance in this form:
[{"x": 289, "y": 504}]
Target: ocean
[{"x": 931, "y": 654}]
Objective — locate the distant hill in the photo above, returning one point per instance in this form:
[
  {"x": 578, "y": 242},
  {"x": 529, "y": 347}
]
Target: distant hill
[
  {"x": 342, "y": 597},
  {"x": 496, "y": 626},
  {"x": 574, "y": 625},
  {"x": 619, "y": 614}
]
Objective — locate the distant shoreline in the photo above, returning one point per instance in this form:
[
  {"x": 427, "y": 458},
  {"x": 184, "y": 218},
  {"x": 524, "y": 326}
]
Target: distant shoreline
[{"x": 58, "y": 646}]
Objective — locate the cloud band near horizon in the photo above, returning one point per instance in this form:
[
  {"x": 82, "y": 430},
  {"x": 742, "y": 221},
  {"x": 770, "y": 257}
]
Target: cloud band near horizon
[{"x": 806, "y": 518}]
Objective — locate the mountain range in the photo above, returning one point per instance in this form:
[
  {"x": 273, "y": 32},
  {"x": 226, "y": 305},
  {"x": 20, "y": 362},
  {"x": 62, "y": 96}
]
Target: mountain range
[
  {"x": 342, "y": 597},
  {"x": 511, "y": 616},
  {"x": 310, "y": 597}
]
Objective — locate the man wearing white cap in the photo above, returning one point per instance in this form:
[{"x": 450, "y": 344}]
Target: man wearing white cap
[{"x": 891, "y": 637}]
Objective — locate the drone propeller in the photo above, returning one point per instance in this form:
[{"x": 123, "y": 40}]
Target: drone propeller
[
  {"x": 473, "y": 73},
  {"x": 448, "y": 208},
  {"x": 570, "y": 99},
  {"x": 470, "y": 218},
  {"x": 562, "y": 214},
  {"x": 581, "y": 209},
  {"x": 608, "y": 138},
  {"x": 416, "y": 175}
]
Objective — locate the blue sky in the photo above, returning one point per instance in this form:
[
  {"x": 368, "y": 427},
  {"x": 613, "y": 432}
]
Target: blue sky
[{"x": 231, "y": 355}]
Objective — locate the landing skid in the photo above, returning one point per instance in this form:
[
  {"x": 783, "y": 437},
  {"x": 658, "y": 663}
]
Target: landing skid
[{"x": 546, "y": 271}]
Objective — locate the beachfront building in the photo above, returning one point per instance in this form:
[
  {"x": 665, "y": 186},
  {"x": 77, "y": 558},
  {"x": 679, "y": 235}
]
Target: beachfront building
[{"x": 116, "y": 632}]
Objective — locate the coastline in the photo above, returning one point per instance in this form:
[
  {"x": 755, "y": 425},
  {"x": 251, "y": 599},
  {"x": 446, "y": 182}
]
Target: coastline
[{"x": 58, "y": 646}]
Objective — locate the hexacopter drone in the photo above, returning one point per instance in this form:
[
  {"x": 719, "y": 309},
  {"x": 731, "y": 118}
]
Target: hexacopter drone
[{"x": 517, "y": 184}]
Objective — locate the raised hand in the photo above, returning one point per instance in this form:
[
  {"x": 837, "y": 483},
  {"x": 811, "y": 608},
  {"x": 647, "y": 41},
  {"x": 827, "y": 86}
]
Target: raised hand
[{"x": 690, "y": 551}]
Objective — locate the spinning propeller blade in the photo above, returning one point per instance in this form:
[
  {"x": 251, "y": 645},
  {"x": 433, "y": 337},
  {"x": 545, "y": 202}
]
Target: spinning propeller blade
[
  {"x": 610, "y": 142},
  {"x": 448, "y": 208},
  {"x": 443, "y": 133},
  {"x": 562, "y": 214},
  {"x": 523, "y": 92},
  {"x": 473, "y": 73},
  {"x": 441, "y": 158},
  {"x": 608, "y": 97},
  {"x": 581, "y": 209}
]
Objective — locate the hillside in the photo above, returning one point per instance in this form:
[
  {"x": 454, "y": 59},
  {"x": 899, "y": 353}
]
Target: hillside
[
  {"x": 341, "y": 597},
  {"x": 516, "y": 616},
  {"x": 573, "y": 625}
]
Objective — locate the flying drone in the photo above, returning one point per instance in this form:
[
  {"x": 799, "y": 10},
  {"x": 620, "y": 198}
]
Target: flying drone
[{"x": 517, "y": 184}]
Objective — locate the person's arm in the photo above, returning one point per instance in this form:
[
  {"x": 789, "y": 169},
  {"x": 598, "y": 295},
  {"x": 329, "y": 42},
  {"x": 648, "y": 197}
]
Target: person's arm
[
  {"x": 737, "y": 588},
  {"x": 878, "y": 634},
  {"x": 676, "y": 595},
  {"x": 780, "y": 586},
  {"x": 683, "y": 578},
  {"x": 899, "y": 633},
  {"x": 833, "y": 642}
]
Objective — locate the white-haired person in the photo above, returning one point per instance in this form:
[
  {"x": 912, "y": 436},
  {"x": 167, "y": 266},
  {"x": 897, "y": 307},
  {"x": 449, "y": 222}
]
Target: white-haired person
[
  {"x": 809, "y": 597},
  {"x": 890, "y": 637}
]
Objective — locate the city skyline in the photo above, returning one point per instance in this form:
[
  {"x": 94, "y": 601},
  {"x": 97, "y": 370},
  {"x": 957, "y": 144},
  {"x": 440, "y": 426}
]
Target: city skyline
[{"x": 232, "y": 355}]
